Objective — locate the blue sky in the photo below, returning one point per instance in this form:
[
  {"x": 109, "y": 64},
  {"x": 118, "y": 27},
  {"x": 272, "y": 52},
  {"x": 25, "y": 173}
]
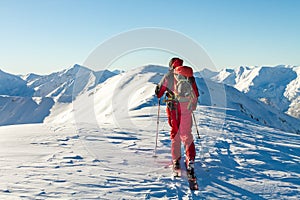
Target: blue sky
[{"x": 51, "y": 35}]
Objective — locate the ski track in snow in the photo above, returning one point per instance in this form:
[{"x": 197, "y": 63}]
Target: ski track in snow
[{"x": 236, "y": 159}]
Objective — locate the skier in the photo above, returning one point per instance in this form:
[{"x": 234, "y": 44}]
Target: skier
[{"x": 181, "y": 98}]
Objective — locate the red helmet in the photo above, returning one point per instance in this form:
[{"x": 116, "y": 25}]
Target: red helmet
[{"x": 175, "y": 62}]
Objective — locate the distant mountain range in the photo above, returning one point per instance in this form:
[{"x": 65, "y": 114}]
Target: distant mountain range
[
  {"x": 265, "y": 95},
  {"x": 277, "y": 86}
]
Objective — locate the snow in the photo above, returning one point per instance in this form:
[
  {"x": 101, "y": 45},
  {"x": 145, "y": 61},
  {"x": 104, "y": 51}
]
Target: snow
[
  {"x": 205, "y": 73},
  {"x": 13, "y": 85},
  {"x": 88, "y": 161},
  {"x": 113, "y": 99},
  {"x": 60, "y": 85},
  {"x": 38, "y": 94},
  {"x": 22, "y": 110},
  {"x": 277, "y": 86},
  {"x": 99, "y": 143}
]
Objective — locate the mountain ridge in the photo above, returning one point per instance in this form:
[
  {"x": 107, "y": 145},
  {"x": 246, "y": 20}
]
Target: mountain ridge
[
  {"x": 277, "y": 86},
  {"x": 66, "y": 86}
]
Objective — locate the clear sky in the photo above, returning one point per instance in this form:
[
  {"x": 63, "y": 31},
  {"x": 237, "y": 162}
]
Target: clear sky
[{"x": 44, "y": 36}]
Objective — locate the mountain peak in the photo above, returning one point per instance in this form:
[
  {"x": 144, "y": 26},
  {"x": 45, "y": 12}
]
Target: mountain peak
[
  {"x": 206, "y": 73},
  {"x": 76, "y": 68}
]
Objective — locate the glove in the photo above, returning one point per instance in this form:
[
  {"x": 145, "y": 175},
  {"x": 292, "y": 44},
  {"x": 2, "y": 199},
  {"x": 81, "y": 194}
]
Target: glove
[{"x": 157, "y": 89}]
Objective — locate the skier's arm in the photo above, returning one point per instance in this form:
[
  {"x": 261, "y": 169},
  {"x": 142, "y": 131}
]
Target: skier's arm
[{"x": 162, "y": 86}]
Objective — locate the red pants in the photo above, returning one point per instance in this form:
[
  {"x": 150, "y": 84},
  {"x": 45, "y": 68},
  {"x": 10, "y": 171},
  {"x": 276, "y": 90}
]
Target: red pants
[{"x": 180, "y": 120}]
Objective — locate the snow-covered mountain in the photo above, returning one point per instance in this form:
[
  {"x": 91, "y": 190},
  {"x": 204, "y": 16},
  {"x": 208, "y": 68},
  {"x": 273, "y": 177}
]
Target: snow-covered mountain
[
  {"x": 60, "y": 85},
  {"x": 277, "y": 86},
  {"x": 205, "y": 73},
  {"x": 12, "y": 85},
  {"x": 24, "y": 110},
  {"x": 116, "y": 97},
  {"x": 104, "y": 94},
  {"x": 30, "y": 98},
  {"x": 100, "y": 145}
]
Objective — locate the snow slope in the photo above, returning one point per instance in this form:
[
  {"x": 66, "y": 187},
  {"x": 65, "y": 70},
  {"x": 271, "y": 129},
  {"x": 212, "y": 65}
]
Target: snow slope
[
  {"x": 236, "y": 159},
  {"x": 23, "y": 110},
  {"x": 12, "y": 85},
  {"x": 277, "y": 86},
  {"x": 114, "y": 98},
  {"x": 214, "y": 94},
  {"x": 101, "y": 146}
]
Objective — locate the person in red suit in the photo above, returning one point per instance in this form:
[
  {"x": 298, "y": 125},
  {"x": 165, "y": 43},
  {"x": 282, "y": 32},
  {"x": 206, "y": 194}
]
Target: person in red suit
[{"x": 180, "y": 105}]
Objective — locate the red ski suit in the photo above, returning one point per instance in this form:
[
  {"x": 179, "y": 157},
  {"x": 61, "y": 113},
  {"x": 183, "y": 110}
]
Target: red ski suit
[{"x": 179, "y": 117}]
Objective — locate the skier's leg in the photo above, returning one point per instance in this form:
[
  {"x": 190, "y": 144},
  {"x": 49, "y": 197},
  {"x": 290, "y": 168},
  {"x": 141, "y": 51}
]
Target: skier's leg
[
  {"x": 173, "y": 122},
  {"x": 176, "y": 147},
  {"x": 174, "y": 134},
  {"x": 188, "y": 141},
  {"x": 185, "y": 130},
  {"x": 190, "y": 151}
]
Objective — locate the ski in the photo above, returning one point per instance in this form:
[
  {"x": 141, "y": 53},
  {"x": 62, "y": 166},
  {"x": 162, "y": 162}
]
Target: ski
[
  {"x": 193, "y": 183},
  {"x": 192, "y": 179}
]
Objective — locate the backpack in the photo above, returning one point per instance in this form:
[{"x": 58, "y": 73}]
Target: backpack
[{"x": 183, "y": 85}]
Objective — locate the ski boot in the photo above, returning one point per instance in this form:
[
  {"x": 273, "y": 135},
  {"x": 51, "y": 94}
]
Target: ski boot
[
  {"x": 191, "y": 169},
  {"x": 176, "y": 168}
]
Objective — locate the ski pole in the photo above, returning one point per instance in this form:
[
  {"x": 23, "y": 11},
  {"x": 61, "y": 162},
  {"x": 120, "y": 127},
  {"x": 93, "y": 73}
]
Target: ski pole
[
  {"x": 157, "y": 123},
  {"x": 196, "y": 125}
]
